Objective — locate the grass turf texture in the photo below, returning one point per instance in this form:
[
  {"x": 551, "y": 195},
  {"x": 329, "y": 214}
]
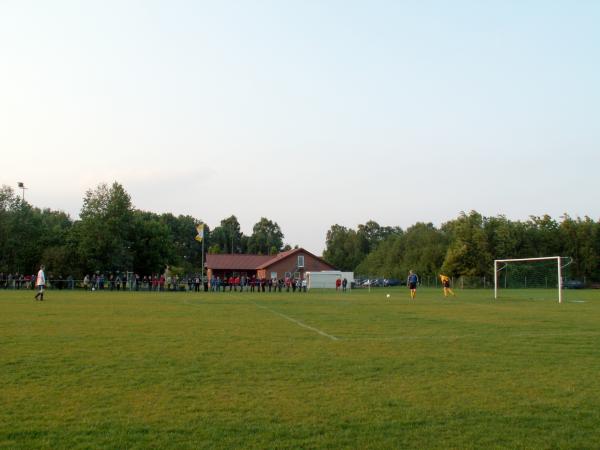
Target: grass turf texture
[{"x": 316, "y": 370}]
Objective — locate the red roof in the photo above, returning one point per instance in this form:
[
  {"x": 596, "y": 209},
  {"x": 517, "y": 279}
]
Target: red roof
[
  {"x": 273, "y": 259},
  {"x": 236, "y": 261},
  {"x": 251, "y": 262},
  {"x": 284, "y": 255}
]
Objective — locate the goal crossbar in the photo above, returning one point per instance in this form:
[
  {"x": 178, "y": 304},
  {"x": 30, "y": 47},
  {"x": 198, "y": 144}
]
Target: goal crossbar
[
  {"x": 544, "y": 258},
  {"x": 528, "y": 259}
]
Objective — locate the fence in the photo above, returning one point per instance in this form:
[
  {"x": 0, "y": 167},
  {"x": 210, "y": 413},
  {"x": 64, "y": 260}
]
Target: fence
[
  {"x": 188, "y": 284},
  {"x": 104, "y": 285},
  {"x": 464, "y": 282}
]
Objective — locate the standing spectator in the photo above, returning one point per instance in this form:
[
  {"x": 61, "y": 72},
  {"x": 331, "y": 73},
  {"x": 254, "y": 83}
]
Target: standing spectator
[
  {"x": 344, "y": 284},
  {"x": 338, "y": 283}
]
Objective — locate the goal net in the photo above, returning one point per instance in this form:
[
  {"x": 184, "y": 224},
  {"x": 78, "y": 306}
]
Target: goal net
[{"x": 532, "y": 278}]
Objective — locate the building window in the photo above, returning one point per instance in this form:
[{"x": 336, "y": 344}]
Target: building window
[
  {"x": 273, "y": 275},
  {"x": 297, "y": 275},
  {"x": 300, "y": 260}
]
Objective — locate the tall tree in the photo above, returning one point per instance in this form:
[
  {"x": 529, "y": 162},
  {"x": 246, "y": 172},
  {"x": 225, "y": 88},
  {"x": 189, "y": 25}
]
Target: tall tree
[
  {"x": 371, "y": 234},
  {"x": 468, "y": 253},
  {"x": 266, "y": 238},
  {"x": 152, "y": 247},
  {"x": 344, "y": 248},
  {"x": 187, "y": 252},
  {"x": 228, "y": 236},
  {"x": 105, "y": 233},
  {"x": 420, "y": 248}
]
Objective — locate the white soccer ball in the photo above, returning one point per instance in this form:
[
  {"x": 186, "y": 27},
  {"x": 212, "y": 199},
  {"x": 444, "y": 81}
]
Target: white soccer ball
[
  {"x": 93, "y": 289},
  {"x": 388, "y": 296}
]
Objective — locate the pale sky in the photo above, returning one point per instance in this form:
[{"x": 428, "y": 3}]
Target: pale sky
[{"x": 309, "y": 113}]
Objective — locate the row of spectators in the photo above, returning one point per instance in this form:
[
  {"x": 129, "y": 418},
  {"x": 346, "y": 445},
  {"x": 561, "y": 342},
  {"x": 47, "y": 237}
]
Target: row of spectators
[
  {"x": 24, "y": 281},
  {"x": 159, "y": 283},
  {"x": 254, "y": 284}
]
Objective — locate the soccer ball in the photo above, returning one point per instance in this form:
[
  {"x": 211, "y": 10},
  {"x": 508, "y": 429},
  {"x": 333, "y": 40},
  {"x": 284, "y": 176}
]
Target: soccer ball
[
  {"x": 388, "y": 296},
  {"x": 93, "y": 289}
]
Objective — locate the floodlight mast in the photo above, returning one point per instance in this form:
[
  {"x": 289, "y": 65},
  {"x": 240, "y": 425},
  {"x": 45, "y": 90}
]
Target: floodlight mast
[
  {"x": 547, "y": 258},
  {"x": 22, "y": 187}
]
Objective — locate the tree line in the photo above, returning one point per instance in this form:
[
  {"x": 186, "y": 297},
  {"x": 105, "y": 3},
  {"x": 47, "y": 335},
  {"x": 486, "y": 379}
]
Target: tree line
[
  {"x": 111, "y": 235},
  {"x": 465, "y": 246}
]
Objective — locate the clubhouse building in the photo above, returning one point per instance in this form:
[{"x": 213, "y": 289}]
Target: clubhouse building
[{"x": 291, "y": 264}]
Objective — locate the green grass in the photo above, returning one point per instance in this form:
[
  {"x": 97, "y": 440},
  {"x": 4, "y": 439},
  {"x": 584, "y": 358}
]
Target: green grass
[{"x": 316, "y": 370}]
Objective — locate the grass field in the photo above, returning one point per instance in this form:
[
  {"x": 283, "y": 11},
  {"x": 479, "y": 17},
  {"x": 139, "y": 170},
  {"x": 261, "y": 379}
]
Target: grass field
[{"x": 316, "y": 370}]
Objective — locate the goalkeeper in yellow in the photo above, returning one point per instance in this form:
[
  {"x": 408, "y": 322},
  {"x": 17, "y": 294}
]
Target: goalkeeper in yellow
[{"x": 446, "y": 285}]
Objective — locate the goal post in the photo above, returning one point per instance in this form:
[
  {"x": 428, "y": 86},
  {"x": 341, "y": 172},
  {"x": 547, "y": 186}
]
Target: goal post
[{"x": 520, "y": 268}]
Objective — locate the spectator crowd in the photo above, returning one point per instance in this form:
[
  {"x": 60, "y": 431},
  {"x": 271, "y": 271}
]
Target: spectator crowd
[{"x": 118, "y": 281}]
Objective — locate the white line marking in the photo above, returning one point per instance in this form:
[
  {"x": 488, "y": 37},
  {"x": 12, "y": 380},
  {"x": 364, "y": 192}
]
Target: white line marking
[{"x": 297, "y": 322}]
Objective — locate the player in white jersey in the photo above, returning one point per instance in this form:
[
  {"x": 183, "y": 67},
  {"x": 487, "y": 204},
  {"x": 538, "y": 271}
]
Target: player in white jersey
[{"x": 40, "y": 283}]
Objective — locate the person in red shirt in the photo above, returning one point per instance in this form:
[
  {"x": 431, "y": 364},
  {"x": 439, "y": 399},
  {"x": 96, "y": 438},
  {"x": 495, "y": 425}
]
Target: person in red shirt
[{"x": 338, "y": 283}]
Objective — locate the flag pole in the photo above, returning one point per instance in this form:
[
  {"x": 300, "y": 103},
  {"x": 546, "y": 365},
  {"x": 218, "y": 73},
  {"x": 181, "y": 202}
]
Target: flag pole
[
  {"x": 202, "y": 268},
  {"x": 200, "y": 237}
]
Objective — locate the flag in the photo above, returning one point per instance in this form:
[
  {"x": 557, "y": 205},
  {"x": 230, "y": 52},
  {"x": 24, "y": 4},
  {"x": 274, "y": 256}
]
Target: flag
[{"x": 200, "y": 230}]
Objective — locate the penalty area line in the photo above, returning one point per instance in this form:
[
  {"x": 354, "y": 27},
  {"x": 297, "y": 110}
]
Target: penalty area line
[{"x": 297, "y": 322}]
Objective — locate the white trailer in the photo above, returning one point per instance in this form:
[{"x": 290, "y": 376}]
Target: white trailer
[{"x": 327, "y": 279}]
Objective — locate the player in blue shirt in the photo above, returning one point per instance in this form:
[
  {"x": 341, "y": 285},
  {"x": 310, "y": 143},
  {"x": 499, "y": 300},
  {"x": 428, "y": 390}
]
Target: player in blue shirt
[{"x": 411, "y": 282}]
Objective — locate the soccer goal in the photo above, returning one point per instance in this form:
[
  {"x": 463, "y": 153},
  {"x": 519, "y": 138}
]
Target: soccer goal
[{"x": 539, "y": 277}]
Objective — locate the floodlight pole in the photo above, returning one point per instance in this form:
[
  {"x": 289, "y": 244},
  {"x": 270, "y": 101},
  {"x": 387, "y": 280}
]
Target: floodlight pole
[{"x": 22, "y": 187}]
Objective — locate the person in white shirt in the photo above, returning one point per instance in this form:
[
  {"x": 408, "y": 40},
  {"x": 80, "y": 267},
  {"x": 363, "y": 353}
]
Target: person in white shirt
[{"x": 40, "y": 283}]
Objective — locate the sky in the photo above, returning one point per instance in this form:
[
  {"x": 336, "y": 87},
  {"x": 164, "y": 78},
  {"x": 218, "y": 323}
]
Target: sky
[{"x": 310, "y": 113}]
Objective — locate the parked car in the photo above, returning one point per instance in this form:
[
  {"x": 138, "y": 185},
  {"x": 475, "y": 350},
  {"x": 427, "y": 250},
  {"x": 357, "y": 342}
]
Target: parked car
[
  {"x": 375, "y": 282},
  {"x": 573, "y": 284}
]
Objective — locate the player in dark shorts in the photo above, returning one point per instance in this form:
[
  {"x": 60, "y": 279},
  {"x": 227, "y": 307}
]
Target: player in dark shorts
[
  {"x": 412, "y": 282},
  {"x": 446, "y": 285}
]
